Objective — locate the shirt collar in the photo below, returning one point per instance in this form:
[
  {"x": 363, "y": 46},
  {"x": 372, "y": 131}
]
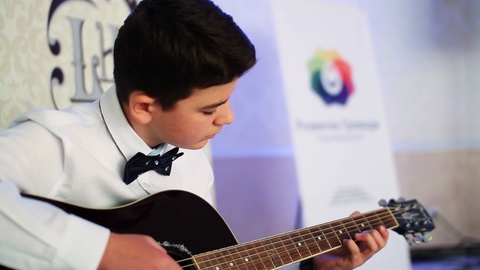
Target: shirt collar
[{"x": 126, "y": 139}]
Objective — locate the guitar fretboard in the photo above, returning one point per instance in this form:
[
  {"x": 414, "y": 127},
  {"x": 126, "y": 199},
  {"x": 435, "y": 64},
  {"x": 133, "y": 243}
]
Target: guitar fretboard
[{"x": 284, "y": 249}]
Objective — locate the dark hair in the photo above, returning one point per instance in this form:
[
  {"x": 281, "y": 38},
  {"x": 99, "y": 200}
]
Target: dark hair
[{"x": 168, "y": 48}]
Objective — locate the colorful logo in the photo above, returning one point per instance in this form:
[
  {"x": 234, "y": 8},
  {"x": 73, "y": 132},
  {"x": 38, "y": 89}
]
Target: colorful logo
[{"x": 331, "y": 77}]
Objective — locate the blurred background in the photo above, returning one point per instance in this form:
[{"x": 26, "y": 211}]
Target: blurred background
[{"x": 427, "y": 58}]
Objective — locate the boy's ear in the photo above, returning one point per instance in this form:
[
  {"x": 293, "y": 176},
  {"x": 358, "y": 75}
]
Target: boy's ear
[{"x": 141, "y": 107}]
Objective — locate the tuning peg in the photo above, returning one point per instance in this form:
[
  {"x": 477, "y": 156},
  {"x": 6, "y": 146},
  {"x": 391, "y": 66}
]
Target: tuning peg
[
  {"x": 427, "y": 237},
  {"x": 408, "y": 237},
  {"x": 422, "y": 237},
  {"x": 382, "y": 203},
  {"x": 417, "y": 238}
]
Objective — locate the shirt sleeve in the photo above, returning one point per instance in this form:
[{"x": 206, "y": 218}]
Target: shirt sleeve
[
  {"x": 37, "y": 235},
  {"x": 32, "y": 158}
]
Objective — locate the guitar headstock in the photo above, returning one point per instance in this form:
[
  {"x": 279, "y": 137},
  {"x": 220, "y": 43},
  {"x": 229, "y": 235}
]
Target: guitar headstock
[{"x": 414, "y": 221}]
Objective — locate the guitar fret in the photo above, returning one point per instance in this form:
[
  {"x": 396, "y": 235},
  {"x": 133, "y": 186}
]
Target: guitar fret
[
  {"x": 374, "y": 220},
  {"x": 292, "y": 247},
  {"x": 248, "y": 258},
  {"x": 208, "y": 261},
  {"x": 351, "y": 228},
  {"x": 311, "y": 242},
  {"x": 305, "y": 252},
  {"x": 273, "y": 253},
  {"x": 252, "y": 258},
  {"x": 367, "y": 223},
  {"x": 265, "y": 256},
  {"x": 340, "y": 231},
  {"x": 259, "y": 255},
  {"x": 237, "y": 259},
  {"x": 203, "y": 264},
  {"x": 333, "y": 231},
  {"x": 245, "y": 257},
  {"x": 378, "y": 220},
  {"x": 325, "y": 242},
  {"x": 259, "y": 260},
  {"x": 361, "y": 222},
  {"x": 391, "y": 221},
  {"x": 358, "y": 223},
  {"x": 318, "y": 238},
  {"x": 223, "y": 261},
  {"x": 331, "y": 236},
  {"x": 285, "y": 242},
  {"x": 228, "y": 259}
]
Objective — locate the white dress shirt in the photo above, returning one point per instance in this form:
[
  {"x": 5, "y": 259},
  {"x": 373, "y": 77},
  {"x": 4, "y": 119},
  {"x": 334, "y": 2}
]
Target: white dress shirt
[{"x": 76, "y": 155}]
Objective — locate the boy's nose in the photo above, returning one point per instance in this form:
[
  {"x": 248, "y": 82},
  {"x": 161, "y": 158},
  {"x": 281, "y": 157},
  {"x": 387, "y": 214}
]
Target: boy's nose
[{"x": 225, "y": 115}]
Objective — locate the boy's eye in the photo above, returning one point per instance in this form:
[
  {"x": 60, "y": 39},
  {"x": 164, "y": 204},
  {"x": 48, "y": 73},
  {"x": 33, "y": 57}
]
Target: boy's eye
[{"x": 208, "y": 112}]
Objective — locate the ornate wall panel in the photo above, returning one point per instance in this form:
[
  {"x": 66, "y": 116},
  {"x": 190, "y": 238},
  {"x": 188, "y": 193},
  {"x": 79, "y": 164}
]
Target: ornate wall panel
[{"x": 55, "y": 53}]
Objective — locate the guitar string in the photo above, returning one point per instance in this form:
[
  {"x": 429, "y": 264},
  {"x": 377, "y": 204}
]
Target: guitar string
[
  {"x": 344, "y": 226},
  {"x": 334, "y": 229},
  {"x": 279, "y": 253},
  {"x": 231, "y": 258},
  {"x": 264, "y": 253}
]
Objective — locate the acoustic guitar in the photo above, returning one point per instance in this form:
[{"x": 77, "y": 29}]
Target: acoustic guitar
[{"x": 198, "y": 238}]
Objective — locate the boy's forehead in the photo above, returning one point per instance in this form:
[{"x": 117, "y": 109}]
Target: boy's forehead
[{"x": 216, "y": 95}]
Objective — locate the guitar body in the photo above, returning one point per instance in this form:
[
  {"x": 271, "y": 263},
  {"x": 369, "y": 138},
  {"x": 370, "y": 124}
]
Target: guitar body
[{"x": 182, "y": 222}]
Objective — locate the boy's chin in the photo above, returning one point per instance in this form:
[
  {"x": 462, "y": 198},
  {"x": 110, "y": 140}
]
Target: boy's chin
[{"x": 198, "y": 145}]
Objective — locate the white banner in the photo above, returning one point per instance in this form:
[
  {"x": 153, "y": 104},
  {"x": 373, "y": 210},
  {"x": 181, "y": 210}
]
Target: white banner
[{"x": 342, "y": 151}]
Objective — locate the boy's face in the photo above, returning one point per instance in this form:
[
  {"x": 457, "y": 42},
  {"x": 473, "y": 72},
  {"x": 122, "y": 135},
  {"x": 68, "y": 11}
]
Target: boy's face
[{"x": 196, "y": 119}]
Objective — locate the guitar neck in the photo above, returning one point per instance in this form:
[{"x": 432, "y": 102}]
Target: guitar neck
[{"x": 295, "y": 246}]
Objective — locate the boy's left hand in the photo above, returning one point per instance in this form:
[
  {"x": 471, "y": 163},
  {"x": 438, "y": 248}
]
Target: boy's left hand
[{"x": 353, "y": 253}]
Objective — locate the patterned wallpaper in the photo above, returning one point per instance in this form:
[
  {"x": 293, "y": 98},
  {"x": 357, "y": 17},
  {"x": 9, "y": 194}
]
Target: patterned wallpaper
[{"x": 72, "y": 46}]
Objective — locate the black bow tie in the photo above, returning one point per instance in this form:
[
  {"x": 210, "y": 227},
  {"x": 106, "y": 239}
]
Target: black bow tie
[{"x": 141, "y": 163}]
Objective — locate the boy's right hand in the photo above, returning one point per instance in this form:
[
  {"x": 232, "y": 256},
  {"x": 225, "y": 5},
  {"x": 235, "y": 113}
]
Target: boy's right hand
[{"x": 134, "y": 251}]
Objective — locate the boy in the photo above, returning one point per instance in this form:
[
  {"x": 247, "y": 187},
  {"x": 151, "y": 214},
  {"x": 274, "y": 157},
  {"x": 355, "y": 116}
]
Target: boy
[{"x": 176, "y": 64}]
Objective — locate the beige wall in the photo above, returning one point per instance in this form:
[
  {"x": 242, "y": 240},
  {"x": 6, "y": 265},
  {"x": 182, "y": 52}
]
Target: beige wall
[{"x": 448, "y": 183}]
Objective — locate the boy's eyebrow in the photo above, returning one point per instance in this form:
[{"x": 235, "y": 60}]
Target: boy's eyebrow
[{"x": 215, "y": 105}]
